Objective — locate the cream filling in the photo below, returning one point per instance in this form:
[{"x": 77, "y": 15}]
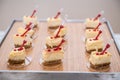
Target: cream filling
[
  {"x": 17, "y": 55},
  {"x": 53, "y": 55},
  {"x": 28, "y": 19},
  {"x": 62, "y": 32},
  {"x": 52, "y": 22},
  {"x": 91, "y": 23},
  {"x": 94, "y": 44},
  {"x": 99, "y": 59},
  {"x": 18, "y": 40},
  {"x": 53, "y": 42},
  {"x": 90, "y": 33}
]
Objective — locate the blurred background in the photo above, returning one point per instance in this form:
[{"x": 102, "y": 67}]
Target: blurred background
[{"x": 76, "y": 9}]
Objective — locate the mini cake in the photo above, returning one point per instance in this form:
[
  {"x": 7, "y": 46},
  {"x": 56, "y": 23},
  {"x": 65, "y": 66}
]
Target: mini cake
[
  {"x": 93, "y": 44},
  {"x": 60, "y": 32},
  {"x": 17, "y": 56},
  {"x": 52, "y": 42},
  {"x": 19, "y": 38},
  {"x": 91, "y": 33},
  {"x": 100, "y": 60},
  {"x": 32, "y": 18},
  {"x": 52, "y": 56},
  {"x": 92, "y": 23},
  {"x": 22, "y": 30},
  {"x": 54, "y": 23}
]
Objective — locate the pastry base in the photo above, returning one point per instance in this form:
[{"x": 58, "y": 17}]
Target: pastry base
[
  {"x": 26, "y": 62},
  {"x": 57, "y": 67},
  {"x": 26, "y": 46},
  {"x": 89, "y": 52},
  {"x": 50, "y": 46},
  {"x": 52, "y": 63},
  {"x": 90, "y": 28},
  {"x": 12, "y": 62},
  {"x": 53, "y": 27},
  {"x": 99, "y": 68}
]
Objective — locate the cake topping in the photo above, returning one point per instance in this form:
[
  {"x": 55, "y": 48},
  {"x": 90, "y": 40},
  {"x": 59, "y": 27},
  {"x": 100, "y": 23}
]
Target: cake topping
[
  {"x": 25, "y": 32},
  {"x": 97, "y": 26},
  {"x": 96, "y": 38},
  {"x": 107, "y": 46},
  {"x": 33, "y": 13},
  {"x": 61, "y": 26},
  {"x": 57, "y": 15},
  {"x": 27, "y": 26},
  {"x": 99, "y": 15}
]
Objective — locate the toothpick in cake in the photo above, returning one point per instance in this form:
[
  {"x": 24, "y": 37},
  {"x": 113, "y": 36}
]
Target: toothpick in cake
[
  {"x": 100, "y": 60},
  {"x": 93, "y": 44},
  {"x": 17, "y": 55},
  {"x": 32, "y": 18},
  {"x": 19, "y": 38},
  {"x": 92, "y": 23}
]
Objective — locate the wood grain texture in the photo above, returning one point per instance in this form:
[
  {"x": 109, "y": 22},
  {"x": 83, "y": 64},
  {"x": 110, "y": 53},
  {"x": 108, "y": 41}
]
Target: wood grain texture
[{"x": 75, "y": 58}]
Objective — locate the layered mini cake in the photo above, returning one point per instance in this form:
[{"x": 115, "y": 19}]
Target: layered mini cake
[
  {"x": 60, "y": 32},
  {"x": 17, "y": 56},
  {"x": 31, "y": 19},
  {"x": 22, "y": 30},
  {"x": 54, "y": 22},
  {"x": 52, "y": 56},
  {"x": 91, "y": 33},
  {"x": 100, "y": 60},
  {"x": 91, "y": 23},
  {"x": 93, "y": 44},
  {"x": 52, "y": 42},
  {"x": 28, "y": 19},
  {"x": 18, "y": 40}
]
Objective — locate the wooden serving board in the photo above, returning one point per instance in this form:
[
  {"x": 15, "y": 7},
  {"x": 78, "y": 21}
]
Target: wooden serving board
[{"x": 75, "y": 58}]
